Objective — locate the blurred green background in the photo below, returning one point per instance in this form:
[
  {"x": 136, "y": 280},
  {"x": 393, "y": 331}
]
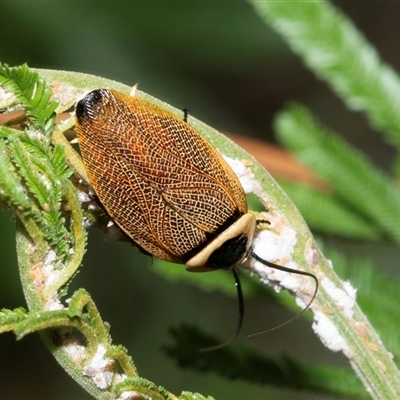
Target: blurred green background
[{"x": 218, "y": 60}]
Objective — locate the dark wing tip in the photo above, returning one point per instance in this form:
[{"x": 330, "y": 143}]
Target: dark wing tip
[{"x": 89, "y": 106}]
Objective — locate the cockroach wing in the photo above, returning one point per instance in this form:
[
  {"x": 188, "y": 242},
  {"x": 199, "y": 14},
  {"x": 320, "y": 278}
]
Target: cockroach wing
[{"x": 158, "y": 179}]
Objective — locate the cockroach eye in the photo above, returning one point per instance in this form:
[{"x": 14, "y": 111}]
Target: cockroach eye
[{"x": 163, "y": 184}]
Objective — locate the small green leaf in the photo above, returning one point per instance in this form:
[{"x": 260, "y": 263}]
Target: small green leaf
[
  {"x": 194, "y": 396},
  {"x": 10, "y": 318},
  {"x": 42, "y": 320},
  {"x": 11, "y": 189},
  {"x": 146, "y": 389}
]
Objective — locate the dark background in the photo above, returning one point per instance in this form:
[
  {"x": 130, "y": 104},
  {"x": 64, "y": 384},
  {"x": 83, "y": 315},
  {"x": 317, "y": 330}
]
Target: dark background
[{"x": 218, "y": 60}]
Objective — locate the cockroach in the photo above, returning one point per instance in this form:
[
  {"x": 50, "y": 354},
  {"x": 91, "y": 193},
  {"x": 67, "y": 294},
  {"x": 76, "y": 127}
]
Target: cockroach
[{"x": 166, "y": 186}]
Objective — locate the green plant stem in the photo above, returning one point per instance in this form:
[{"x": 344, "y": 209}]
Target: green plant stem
[
  {"x": 362, "y": 345},
  {"x": 79, "y": 235},
  {"x": 74, "y": 160},
  {"x": 35, "y": 303}
]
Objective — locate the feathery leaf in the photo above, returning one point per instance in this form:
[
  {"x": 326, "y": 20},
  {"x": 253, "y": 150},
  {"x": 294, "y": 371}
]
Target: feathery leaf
[
  {"x": 355, "y": 180},
  {"x": 337, "y": 52}
]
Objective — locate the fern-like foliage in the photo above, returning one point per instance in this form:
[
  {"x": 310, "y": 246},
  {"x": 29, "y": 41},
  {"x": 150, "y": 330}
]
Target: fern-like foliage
[
  {"x": 11, "y": 191},
  {"x": 31, "y": 172},
  {"x": 337, "y": 52},
  {"x": 356, "y": 182},
  {"x": 33, "y": 95},
  {"x": 10, "y": 318},
  {"x": 245, "y": 364},
  {"x": 327, "y": 214}
]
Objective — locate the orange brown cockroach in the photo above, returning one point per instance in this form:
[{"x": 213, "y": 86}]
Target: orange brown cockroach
[{"x": 165, "y": 186}]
